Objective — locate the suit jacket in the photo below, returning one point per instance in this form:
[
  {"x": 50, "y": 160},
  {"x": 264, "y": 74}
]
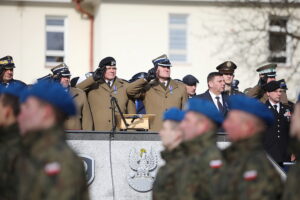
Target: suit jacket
[
  {"x": 277, "y": 137},
  {"x": 207, "y": 96}
]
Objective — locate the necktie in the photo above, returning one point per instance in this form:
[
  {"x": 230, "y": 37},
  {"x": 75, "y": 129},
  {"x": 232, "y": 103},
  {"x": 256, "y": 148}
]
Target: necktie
[
  {"x": 275, "y": 107},
  {"x": 109, "y": 83},
  {"x": 219, "y": 104}
]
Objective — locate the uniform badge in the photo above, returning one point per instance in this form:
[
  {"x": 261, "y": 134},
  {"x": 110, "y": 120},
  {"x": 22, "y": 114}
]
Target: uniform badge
[
  {"x": 142, "y": 163},
  {"x": 215, "y": 164},
  {"x": 115, "y": 89},
  {"x": 52, "y": 168},
  {"x": 250, "y": 175},
  {"x": 287, "y": 114},
  {"x": 171, "y": 89}
]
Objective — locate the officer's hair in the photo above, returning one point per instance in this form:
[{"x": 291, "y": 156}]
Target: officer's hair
[
  {"x": 11, "y": 101},
  {"x": 212, "y": 75}
]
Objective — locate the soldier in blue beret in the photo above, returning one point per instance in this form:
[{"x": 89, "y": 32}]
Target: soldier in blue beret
[
  {"x": 171, "y": 137},
  {"x": 248, "y": 172},
  {"x": 48, "y": 168},
  {"x": 7, "y": 71},
  {"x": 10, "y": 147},
  {"x": 202, "y": 159}
]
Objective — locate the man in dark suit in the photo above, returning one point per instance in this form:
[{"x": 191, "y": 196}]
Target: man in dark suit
[
  {"x": 216, "y": 87},
  {"x": 277, "y": 137}
]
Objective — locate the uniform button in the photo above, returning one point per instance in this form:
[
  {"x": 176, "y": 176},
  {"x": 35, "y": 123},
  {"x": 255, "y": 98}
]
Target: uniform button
[
  {"x": 278, "y": 125},
  {"x": 278, "y": 120},
  {"x": 108, "y": 120},
  {"x": 278, "y": 136},
  {"x": 278, "y": 131}
]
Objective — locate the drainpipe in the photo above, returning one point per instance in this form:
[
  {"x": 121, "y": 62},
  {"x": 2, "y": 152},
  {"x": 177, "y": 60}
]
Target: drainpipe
[{"x": 91, "y": 18}]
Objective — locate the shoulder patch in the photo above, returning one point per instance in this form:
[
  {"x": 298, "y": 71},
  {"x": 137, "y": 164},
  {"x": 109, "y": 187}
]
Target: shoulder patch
[
  {"x": 250, "y": 175},
  {"x": 52, "y": 168},
  {"x": 215, "y": 164}
]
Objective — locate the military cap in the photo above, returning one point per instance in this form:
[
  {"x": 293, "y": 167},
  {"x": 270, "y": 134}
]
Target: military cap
[
  {"x": 61, "y": 69},
  {"x": 162, "y": 61},
  {"x": 251, "y": 106},
  {"x": 108, "y": 61},
  {"x": 15, "y": 89},
  {"x": 54, "y": 94},
  {"x": 7, "y": 62},
  {"x": 283, "y": 84},
  {"x": 204, "y": 107},
  {"x": 226, "y": 67},
  {"x": 272, "y": 86},
  {"x": 190, "y": 80},
  {"x": 268, "y": 69},
  {"x": 174, "y": 114},
  {"x": 138, "y": 76}
]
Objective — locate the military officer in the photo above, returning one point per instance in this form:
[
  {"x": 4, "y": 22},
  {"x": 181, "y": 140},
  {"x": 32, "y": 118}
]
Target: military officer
[
  {"x": 171, "y": 136},
  {"x": 248, "y": 173},
  {"x": 291, "y": 191},
  {"x": 227, "y": 68},
  {"x": 83, "y": 120},
  {"x": 267, "y": 73},
  {"x": 7, "y": 71},
  {"x": 158, "y": 91},
  {"x": 48, "y": 168},
  {"x": 202, "y": 160},
  {"x": 100, "y": 87},
  {"x": 277, "y": 137},
  {"x": 9, "y": 140},
  {"x": 190, "y": 82}
]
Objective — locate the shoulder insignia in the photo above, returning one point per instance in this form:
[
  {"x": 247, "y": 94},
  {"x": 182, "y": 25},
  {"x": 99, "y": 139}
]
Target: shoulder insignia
[
  {"x": 52, "y": 168},
  {"x": 250, "y": 175},
  {"x": 215, "y": 164}
]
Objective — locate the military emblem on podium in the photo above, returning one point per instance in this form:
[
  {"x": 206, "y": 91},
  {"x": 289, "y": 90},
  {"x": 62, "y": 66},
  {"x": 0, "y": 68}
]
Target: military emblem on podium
[
  {"x": 142, "y": 164},
  {"x": 89, "y": 167}
]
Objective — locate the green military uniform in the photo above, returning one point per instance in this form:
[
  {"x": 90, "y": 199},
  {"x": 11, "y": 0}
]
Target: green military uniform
[
  {"x": 157, "y": 98},
  {"x": 201, "y": 165},
  {"x": 83, "y": 120},
  {"x": 9, "y": 153},
  {"x": 49, "y": 169},
  {"x": 248, "y": 173},
  {"x": 164, "y": 186},
  {"x": 291, "y": 191},
  {"x": 99, "y": 96}
]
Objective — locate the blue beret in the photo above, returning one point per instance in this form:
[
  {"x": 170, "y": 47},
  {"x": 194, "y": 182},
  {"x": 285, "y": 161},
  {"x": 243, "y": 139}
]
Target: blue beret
[
  {"x": 173, "y": 114},
  {"x": 252, "y": 106},
  {"x": 206, "y": 108},
  {"x": 14, "y": 89},
  {"x": 54, "y": 94}
]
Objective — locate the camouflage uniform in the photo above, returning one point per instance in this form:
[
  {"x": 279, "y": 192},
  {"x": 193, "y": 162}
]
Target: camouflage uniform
[
  {"x": 164, "y": 185},
  {"x": 291, "y": 191},
  {"x": 9, "y": 152},
  {"x": 248, "y": 174},
  {"x": 49, "y": 169},
  {"x": 201, "y": 166}
]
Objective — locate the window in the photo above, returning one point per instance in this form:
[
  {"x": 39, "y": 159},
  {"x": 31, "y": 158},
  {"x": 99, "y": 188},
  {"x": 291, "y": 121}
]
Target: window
[
  {"x": 178, "y": 37},
  {"x": 55, "y": 40},
  {"x": 278, "y": 40}
]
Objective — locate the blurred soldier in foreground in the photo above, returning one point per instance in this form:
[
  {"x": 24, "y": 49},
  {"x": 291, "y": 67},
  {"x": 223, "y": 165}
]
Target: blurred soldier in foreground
[
  {"x": 202, "y": 160},
  {"x": 7, "y": 71},
  {"x": 227, "y": 70},
  {"x": 48, "y": 168},
  {"x": 171, "y": 136},
  {"x": 158, "y": 91},
  {"x": 83, "y": 120},
  {"x": 100, "y": 87},
  {"x": 267, "y": 73},
  {"x": 277, "y": 137},
  {"x": 9, "y": 140},
  {"x": 248, "y": 173},
  {"x": 292, "y": 191},
  {"x": 191, "y": 84}
]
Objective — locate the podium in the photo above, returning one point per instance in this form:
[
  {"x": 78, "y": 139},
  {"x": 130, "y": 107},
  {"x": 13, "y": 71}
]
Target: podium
[{"x": 136, "y": 122}]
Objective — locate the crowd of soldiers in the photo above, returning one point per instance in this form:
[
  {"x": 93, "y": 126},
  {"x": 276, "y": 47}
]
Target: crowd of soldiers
[{"x": 36, "y": 162}]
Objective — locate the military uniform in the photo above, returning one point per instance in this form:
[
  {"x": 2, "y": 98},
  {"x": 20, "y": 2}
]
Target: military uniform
[
  {"x": 9, "y": 153},
  {"x": 99, "y": 97},
  {"x": 164, "y": 186},
  {"x": 248, "y": 174},
  {"x": 83, "y": 120},
  {"x": 49, "y": 169},
  {"x": 157, "y": 98},
  {"x": 201, "y": 165}
]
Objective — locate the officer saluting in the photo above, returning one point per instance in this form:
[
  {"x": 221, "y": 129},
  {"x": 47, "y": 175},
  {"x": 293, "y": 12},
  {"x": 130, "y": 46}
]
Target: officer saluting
[
  {"x": 7, "y": 66},
  {"x": 227, "y": 69}
]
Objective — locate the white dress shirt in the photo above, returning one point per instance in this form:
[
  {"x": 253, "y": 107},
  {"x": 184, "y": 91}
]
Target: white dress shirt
[{"x": 213, "y": 96}]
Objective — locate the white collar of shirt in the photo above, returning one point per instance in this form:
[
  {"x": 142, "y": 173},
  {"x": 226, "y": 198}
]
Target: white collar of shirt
[
  {"x": 109, "y": 82},
  {"x": 277, "y": 104},
  {"x": 213, "y": 96}
]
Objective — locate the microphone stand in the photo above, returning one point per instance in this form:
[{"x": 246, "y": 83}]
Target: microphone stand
[{"x": 114, "y": 105}]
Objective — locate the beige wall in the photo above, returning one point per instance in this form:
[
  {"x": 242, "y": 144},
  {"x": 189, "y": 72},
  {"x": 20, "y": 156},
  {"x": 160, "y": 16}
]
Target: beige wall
[{"x": 23, "y": 37}]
